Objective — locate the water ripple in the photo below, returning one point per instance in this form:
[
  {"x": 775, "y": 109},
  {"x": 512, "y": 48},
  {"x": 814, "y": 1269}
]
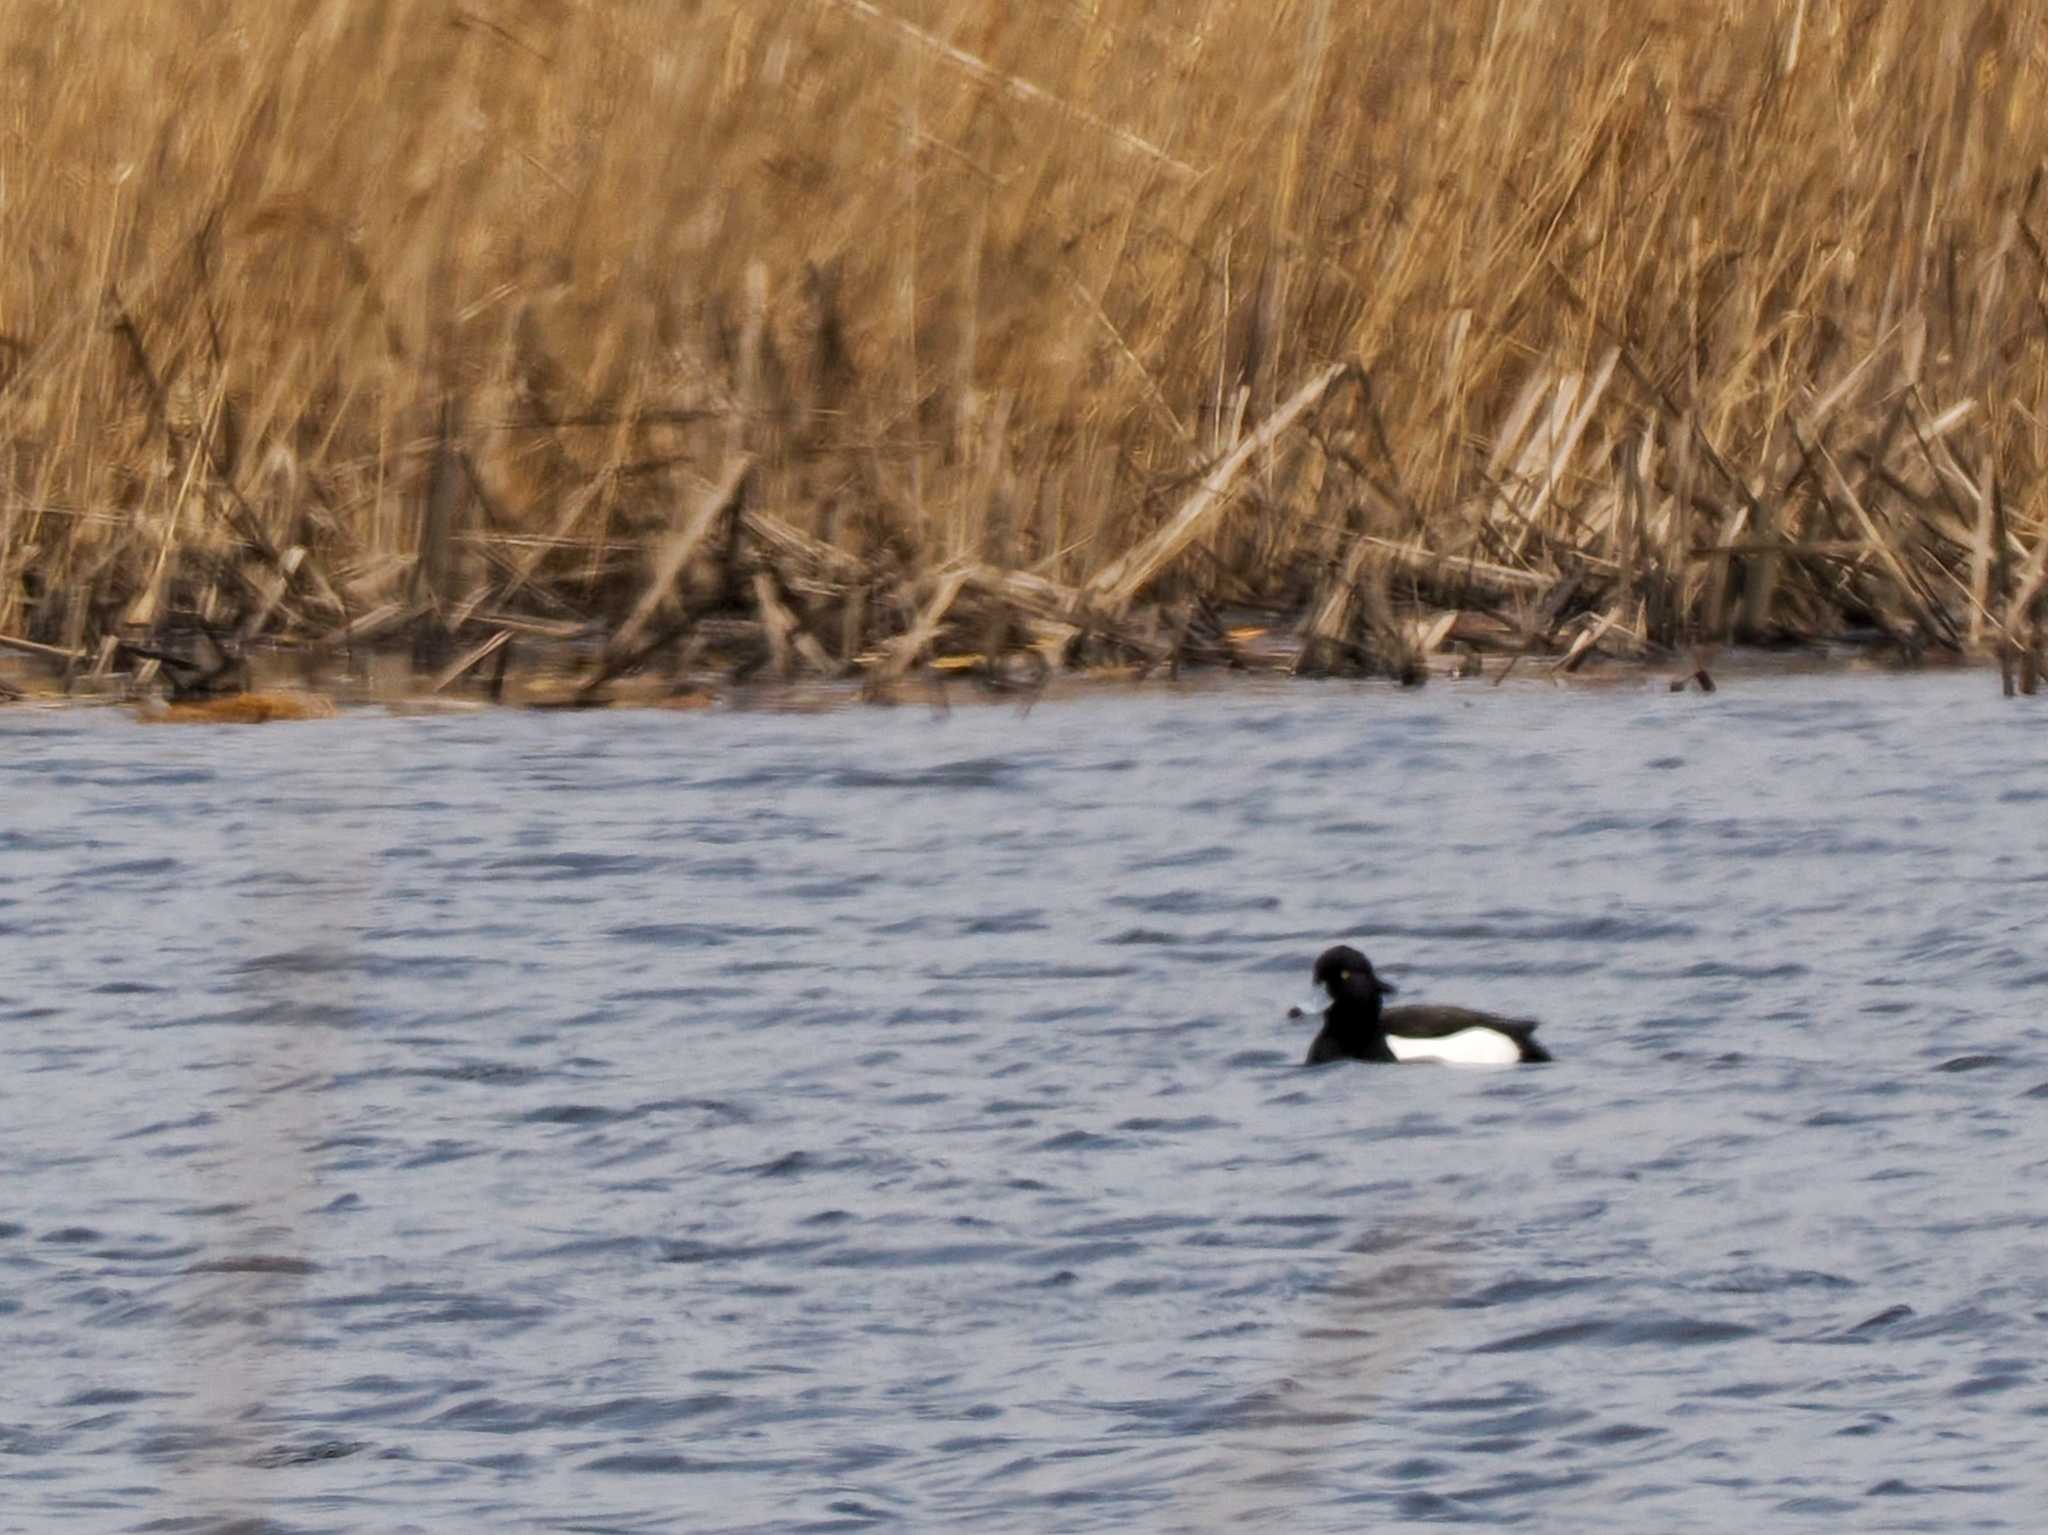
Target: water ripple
[{"x": 822, "y": 1123}]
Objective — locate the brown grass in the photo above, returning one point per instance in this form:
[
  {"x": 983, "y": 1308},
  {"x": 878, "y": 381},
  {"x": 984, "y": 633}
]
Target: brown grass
[{"x": 821, "y": 333}]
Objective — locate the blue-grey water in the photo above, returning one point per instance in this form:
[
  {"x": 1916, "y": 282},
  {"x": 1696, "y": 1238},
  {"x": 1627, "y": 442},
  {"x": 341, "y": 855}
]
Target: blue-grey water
[{"x": 754, "y": 1122}]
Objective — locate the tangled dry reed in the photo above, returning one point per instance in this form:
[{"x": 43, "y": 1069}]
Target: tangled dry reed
[{"x": 836, "y": 335}]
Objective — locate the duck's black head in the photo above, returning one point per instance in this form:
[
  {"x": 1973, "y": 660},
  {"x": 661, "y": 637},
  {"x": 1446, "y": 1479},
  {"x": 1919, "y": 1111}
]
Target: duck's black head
[{"x": 1348, "y": 977}]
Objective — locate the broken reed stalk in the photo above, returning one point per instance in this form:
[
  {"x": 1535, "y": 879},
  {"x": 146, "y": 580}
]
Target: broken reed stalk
[
  {"x": 1123, "y": 578},
  {"x": 470, "y": 659},
  {"x": 975, "y": 347},
  {"x": 787, "y": 641},
  {"x": 2001, "y": 602},
  {"x": 904, "y": 651},
  {"x": 2030, "y": 601},
  {"x": 674, "y": 553},
  {"x": 435, "y": 575}
]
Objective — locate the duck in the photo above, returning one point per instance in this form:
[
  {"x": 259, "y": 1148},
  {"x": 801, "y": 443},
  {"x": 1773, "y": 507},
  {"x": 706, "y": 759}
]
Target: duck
[{"x": 1357, "y": 1028}]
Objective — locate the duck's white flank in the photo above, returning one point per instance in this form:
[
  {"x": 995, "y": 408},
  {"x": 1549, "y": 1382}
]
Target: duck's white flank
[{"x": 1467, "y": 1047}]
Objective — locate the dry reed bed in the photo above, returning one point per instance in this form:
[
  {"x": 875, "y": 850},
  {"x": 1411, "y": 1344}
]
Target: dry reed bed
[{"x": 833, "y": 336}]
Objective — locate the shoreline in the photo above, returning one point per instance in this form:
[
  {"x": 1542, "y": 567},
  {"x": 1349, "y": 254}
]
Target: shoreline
[{"x": 284, "y": 685}]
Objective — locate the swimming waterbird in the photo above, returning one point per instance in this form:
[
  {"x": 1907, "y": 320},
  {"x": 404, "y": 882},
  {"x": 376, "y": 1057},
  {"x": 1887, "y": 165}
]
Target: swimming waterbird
[{"x": 1357, "y": 1028}]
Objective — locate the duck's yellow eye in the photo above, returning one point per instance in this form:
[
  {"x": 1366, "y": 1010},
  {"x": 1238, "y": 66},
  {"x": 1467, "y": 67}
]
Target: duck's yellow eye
[{"x": 1343, "y": 975}]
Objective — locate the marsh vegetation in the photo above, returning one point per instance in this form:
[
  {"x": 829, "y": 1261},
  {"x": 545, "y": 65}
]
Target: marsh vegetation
[{"x": 833, "y": 337}]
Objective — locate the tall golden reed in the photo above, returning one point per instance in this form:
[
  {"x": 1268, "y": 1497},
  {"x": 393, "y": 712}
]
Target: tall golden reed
[{"x": 1690, "y": 317}]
